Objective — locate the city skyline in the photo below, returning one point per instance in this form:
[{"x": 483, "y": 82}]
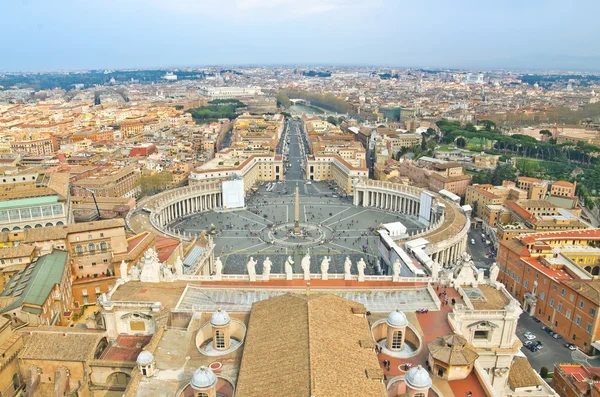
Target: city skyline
[{"x": 155, "y": 34}]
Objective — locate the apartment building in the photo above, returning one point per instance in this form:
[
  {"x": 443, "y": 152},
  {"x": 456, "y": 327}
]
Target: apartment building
[
  {"x": 555, "y": 276},
  {"x": 109, "y": 182},
  {"x": 41, "y": 292},
  {"x": 480, "y": 195},
  {"x": 230, "y": 163},
  {"x": 434, "y": 175},
  {"x": 576, "y": 380},
  {"x": 335, "y": 168},
  {"x": 34, "y": 144}
]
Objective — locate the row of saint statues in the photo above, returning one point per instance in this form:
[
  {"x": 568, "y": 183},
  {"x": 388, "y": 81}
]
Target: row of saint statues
[{"x": 305, "y": 265}]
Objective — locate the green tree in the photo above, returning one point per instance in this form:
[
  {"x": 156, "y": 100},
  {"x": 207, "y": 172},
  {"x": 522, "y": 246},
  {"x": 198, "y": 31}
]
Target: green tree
[
  {"x": 152, "y": 184},
  {"x": 545, "y": 134},
  {"x": 332, "y": 120},
  {"x": 488, "y": 124},
  {"x": 503, "y": 173},
  {"x": 470, "y": 127},
  {"x": 544, "y": 372}
]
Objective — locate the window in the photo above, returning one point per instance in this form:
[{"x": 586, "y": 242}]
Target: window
[
  {"x": 559, "y": 308},
  {"x": 577, "y": 320},
  {"x": 526, "y": 284},
  {"x": 568, "y": 314},
  {"x": 91, "y": 248},
  {"x": 542, "y": 295},
  {"x": 420, "y": 395},
  {"x": 562, "y": 292},
  {"x": 79, "y": 250},
  {"x": 103, "y": 247},
  {"x": 572, "y": 297},
  {"x": 551, "y": 302},
  {"x": 206, "y": 395},
  {"x": 588, "y": 328},
  {"x": 581, "y": 304},
  {"x": 481, "y": 335},
  {"x": 592, "y": 312},
  {"x": 397, "y": 340},
  {"x": 219, "y": 339},
  {"x": 554, "y": 288}
]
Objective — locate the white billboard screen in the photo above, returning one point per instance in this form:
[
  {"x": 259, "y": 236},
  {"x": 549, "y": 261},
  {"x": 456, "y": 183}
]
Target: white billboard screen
[
  {"x": 233, "y": 194},
  {"x": 425, "y": 207}
]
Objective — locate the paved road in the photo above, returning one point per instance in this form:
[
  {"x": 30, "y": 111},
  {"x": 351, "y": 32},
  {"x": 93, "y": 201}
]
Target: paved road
[
  {"x": 295, "y": 154},
  {"x": 478, "y": 250}
]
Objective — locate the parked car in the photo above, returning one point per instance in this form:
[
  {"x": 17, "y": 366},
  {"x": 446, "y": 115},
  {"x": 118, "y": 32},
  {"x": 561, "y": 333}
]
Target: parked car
[
  {"x": 545, "y": 328},
  {"x": 529, "y": 335},
  {"x": 556, "y": 336},
  {"x": 527, "y": 343},
  {"x": 537, "y": 320},
  {"x": 551, "y": 333},
  {"x": 570, "y": 346},
  {"x": 539, "y": 345},
  {"x": 472, "y": 241}
]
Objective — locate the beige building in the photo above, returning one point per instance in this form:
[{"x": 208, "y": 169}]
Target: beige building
[
  {"x": 334, "y": 168},
  {"x": 228, "y": 163},
  {"x": 41, "y": 292},
  {"x": 109, "y": 182},
  {"x": 484, "y": 161},
  {"x": 11, "y": 344}
]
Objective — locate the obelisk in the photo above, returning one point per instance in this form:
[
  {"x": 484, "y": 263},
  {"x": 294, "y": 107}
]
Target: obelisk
[{"x": 297, "y": 212}]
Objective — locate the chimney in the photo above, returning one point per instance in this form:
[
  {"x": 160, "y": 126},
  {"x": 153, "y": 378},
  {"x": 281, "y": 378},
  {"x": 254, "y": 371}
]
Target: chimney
[{"x": 307, "y": 289}]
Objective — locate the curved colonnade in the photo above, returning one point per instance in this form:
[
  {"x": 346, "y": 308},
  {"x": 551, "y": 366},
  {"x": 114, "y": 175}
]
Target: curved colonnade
[
  {"x": 446, "y": 233},
  {"x": 174, "y": 204},
  {"x": 448, "y": 226}
]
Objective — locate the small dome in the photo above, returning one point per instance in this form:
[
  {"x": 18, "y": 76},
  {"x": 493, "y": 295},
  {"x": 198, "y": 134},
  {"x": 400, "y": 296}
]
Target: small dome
[
  {"x": 418, "y": 379},
  {"x": 204, "y": 378},
  {"x": 220, "y": 318},
  {"x": 145, "y": 358},
  {"x": 397, "y": 319}
]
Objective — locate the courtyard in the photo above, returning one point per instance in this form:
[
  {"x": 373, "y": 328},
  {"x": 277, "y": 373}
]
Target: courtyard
[{"x": 332, "y": 225}]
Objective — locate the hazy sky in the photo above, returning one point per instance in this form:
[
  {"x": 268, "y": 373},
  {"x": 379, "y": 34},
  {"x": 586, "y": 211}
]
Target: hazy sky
[{"x": 86, "y": 34}]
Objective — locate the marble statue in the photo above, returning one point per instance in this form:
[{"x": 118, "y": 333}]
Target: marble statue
[
  {"x": 267, "y": 268},
  {"x": 218, "y": 268},
  {"x": 361, "y": 265},
  {"x": 178, "y": 266},
  {"x": 167, "y": 274},
  {"x": 347, "y": 269},
  {"x": 324, "y": 267},
  {"x": 494, "y": 270},
  {"x": 123, "y": 269},
  {"x": 134, "y": 273},
  {"x": 151, "y": 270},
  {"x": 289, "y": 270},
  {"x": 396, "y": 270},
  {"x": 305, "y": 265},
  {"x": 251, "y": 266}
]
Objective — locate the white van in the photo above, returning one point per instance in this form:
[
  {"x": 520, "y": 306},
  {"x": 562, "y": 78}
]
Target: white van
[{"x": 472, "y": 241}]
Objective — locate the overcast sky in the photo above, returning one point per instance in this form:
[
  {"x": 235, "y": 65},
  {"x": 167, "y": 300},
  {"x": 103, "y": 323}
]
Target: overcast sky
[{"x": 85, "y": 34}]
